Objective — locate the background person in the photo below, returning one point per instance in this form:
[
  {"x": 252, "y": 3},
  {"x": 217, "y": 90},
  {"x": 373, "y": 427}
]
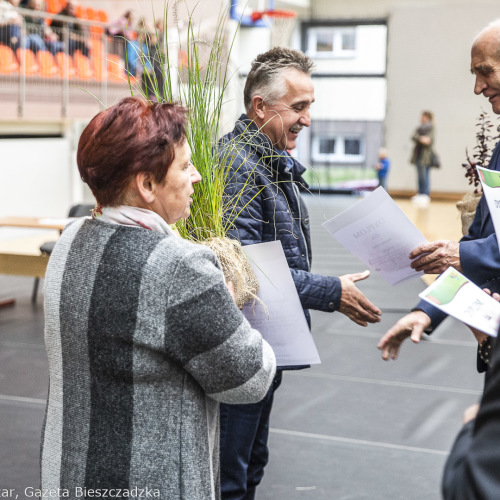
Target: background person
[
  {"x": 143, "y": 337},
  {"x": 10, "y": 24},
  {"x": 382, "y": 167},
  {"x": 77, "y": 38},
  {"x": 121, "y": 29},
  {"x": 39, "y": 36},
  {"x": 277, "y": 96},
  {"x": 421, "y": 157}
]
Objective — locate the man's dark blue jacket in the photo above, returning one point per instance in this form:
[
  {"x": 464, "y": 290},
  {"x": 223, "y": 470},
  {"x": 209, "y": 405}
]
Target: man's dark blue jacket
[
  {"x": 263, "y": 189},
  {"x": 479, "y": 254}
]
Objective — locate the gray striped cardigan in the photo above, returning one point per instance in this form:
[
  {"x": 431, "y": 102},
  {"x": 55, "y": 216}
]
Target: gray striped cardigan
[{"x": 143, "y": 341}]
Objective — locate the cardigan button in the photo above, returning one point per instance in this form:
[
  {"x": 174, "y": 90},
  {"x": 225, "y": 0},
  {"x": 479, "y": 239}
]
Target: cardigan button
[{"x": 331, "y": 306}]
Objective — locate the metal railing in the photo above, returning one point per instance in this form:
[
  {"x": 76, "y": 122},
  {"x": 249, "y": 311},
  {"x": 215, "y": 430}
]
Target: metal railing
[{"x": 37, "y": 61}]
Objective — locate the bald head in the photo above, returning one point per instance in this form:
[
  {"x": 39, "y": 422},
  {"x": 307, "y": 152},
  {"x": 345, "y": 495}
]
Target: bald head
[
  {"x": 490, "y": 34},
  {"x": 485, "y": 64}
]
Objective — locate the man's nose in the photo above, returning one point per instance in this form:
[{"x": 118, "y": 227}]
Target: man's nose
[
  {"x": 305, "y": 119},
  {"x": 479, "y": 85}
]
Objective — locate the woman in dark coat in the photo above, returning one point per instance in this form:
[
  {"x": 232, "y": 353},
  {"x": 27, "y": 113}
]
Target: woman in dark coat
[{"x": 421, "y": 157}]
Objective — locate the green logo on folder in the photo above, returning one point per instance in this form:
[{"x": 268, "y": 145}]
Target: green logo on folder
[
  {"x": 445, "y": 292},
  {"x": 490, "y": 177}
]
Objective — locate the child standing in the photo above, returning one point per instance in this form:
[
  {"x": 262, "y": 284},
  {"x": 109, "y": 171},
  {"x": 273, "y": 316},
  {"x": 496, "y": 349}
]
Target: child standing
[{"x": 382, "y": 167}]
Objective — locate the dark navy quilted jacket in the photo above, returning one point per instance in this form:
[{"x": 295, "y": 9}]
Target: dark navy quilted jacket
[{"x": 272, "y": 208}]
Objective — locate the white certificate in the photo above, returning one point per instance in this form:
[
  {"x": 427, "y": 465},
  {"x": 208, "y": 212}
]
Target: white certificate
[
  {"x": 457, "y": 296},
  {"x": 378, "y": 232},
  {"x": 280, "y": 319},
  {"x": 490, "y": 180}
]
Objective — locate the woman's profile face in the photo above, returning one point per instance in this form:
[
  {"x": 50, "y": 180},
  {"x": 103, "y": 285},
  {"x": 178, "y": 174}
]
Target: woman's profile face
[{"x": 173, "y": 197}]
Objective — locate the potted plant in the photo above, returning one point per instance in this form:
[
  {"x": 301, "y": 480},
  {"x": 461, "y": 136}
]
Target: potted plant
[{"x": 485, "y": 142}]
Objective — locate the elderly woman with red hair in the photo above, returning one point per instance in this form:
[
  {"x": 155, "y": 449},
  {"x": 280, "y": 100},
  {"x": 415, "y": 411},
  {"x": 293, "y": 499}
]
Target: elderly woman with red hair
[{"x": 143, "y": 337}]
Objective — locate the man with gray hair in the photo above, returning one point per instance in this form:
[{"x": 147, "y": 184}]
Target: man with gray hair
[
  {"x": 473, "y": 467},
  {"x": 265, "y": 185}
]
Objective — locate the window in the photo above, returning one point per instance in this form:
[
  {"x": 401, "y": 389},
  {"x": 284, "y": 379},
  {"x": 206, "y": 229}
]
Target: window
[
  {"x": 352, "y": 147},
  {"x": 331, "y": 42},
  {"x": 338, "y": 149},
  {"x": 326, "y": 146}
]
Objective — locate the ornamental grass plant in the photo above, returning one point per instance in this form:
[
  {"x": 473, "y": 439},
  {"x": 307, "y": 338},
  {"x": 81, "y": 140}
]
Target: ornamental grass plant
[{"x": 199, "y": 80}]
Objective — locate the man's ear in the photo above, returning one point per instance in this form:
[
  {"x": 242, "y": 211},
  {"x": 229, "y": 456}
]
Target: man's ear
[
  {"x": 258, "y": 106},
  {"x": 145, "y": 185}
]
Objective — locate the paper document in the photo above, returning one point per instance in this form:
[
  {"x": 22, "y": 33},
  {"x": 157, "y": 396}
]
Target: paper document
[
  {"x": 490, "y": 180},
  {"x": 280, "y": 319},
  {"x": 457, "y": 296},
  {"x": 378, "y": 232}
]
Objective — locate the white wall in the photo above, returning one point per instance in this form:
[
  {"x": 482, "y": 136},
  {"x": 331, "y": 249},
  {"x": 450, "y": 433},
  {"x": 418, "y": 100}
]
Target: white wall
[
  {"x": 38, "y": 177},
  {"x": 428, "y": 63},
  {"x": 429, "y": 68},
  {"x": 349, "y": 99}
]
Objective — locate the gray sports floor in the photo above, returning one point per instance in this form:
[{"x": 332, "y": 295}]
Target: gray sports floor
[{"x": 353, "y": 427}]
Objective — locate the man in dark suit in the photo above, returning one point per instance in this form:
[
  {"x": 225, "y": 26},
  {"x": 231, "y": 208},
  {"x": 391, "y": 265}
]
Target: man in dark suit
[
  {"x": 472, "y": 471},
  {"x": 476, "y": 255}
]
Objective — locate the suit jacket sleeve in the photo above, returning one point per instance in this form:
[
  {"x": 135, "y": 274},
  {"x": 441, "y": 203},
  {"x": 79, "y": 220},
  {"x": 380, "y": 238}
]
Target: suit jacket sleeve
[{"x": 479, "y": 258}]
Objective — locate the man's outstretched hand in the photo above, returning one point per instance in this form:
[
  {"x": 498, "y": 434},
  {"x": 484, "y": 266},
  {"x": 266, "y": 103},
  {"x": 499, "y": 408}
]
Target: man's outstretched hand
[
  {"x": 412, "y": 325},
  {"x": 354, "y": 304}
]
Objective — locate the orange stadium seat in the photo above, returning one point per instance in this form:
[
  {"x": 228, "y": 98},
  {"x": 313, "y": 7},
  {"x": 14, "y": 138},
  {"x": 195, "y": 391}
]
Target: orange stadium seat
[
  {"x": 102, "y": 16},
  {"x": 93, "y": 15},
  {"x": 63, "y": 60},
  {"x": 83, "y": 67},
  {"x": 8, "y": 61},
  {"x": 116, "y": 71},
  {"x": 48, "y": 65},
  {"x": 100, "y": 72},
  {"x": 28, "y": 59},
  {"x": 53, "y": 6},
  {"x": 96, "y": 47}
]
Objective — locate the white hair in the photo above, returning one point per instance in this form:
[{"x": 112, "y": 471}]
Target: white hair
[{"x": 490, "y": 26}]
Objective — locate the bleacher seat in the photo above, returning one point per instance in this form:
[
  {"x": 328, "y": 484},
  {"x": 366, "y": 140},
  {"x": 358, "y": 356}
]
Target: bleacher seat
[
  {"x": 96, "y": 47},
  {"x": 102, "y": 16},
  {"x": 99, "y": 68},
  {"x": 27, "y": 62},
  {"x": 48, "y": 65},
  {"x": 53, "y": 6},
  {"x": 83, "y": 67},
  {"x": 64, "y": 60},
  {"x": 8, "y": 61},
  {"x": 116, "y": 71}
]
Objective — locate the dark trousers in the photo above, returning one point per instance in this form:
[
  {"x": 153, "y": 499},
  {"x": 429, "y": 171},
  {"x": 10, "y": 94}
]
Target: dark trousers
[
  {"x": 10, "y": 35},
  {"x": 244, "y": 453}
]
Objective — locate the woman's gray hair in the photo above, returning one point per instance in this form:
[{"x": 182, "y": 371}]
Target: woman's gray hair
[{"x": 263, "y": 78}]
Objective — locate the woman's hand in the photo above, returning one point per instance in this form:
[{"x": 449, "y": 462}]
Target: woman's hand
[{"x": 230, "y": 287}]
